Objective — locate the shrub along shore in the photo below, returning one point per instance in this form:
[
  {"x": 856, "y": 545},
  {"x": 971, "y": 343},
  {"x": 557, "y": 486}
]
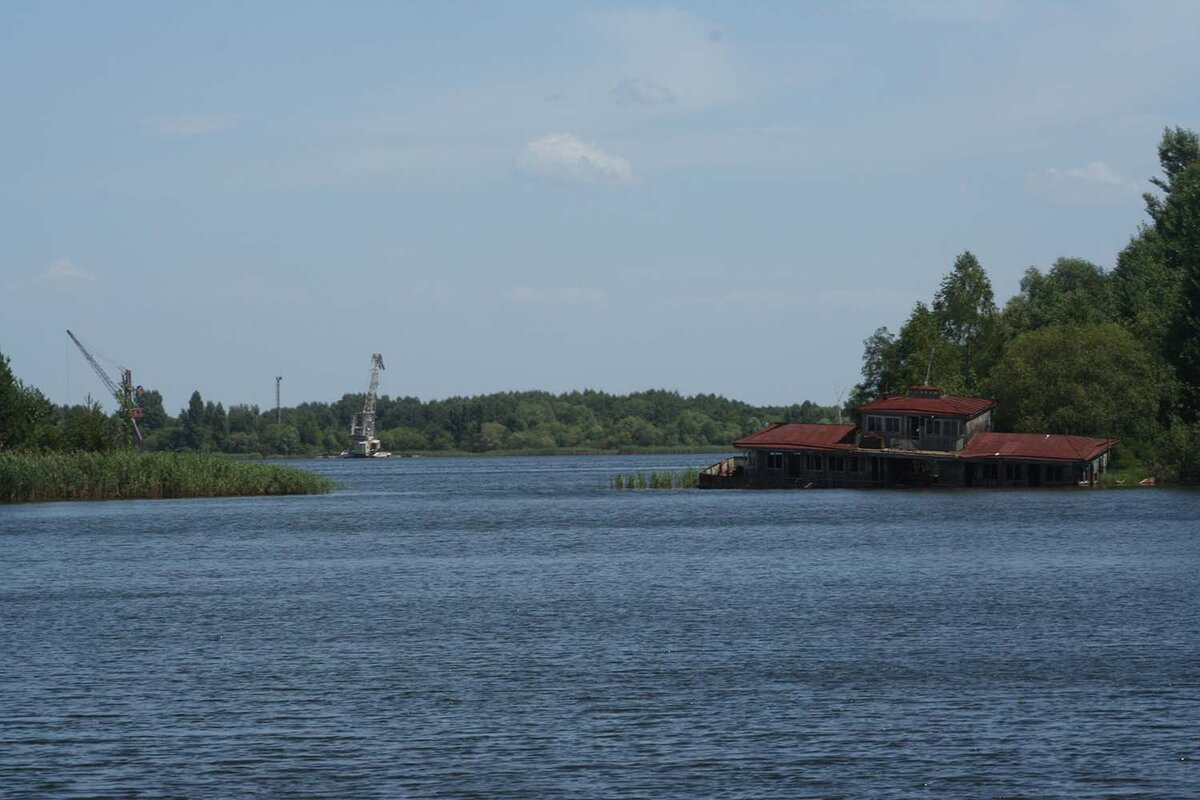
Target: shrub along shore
[{"x": 128, "y": 475}]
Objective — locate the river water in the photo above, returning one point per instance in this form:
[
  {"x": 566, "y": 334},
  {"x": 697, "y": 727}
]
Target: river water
[{"x": 511, "y": 628}]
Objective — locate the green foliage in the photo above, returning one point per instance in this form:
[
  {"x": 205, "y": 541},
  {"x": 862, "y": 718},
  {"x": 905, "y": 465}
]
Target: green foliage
[
  {"x": 88, "y": 429},
  {"x": 1078, "y": 350},
  {"x": 952, "y": 343},
  {"x": 1089, "y": 380},
  {"x": 1146, "y": 291},
  {"x": 124, "y": 474},
  {"x": 1178, "y": 226},
  {"x": 1073, "y": 292},
  {"x": 26, "y": 416},
  {"x": 503, "y": 422},
  {"x": 964, "y": 309},
  {"x": 668, "y": 479},
  {"x": 192, "y": 419}
]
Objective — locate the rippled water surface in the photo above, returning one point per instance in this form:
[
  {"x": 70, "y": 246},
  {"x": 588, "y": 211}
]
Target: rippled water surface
[{"x": 504, "y": 628}]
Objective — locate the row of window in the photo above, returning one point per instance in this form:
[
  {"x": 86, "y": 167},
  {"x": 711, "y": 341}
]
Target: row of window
[
  {"x": 930, "y": 427},
  {"x": 813, "y": 462},
  {"x": 817, "y": 463},
  {"x": 883, "y": 424},
  {"x": 1051, "y": 473}
]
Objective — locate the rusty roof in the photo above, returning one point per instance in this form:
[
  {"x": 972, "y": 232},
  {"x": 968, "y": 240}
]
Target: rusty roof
[
  {"x": 1038, "y": 446},
  {"x": 793, "y": 435},
  {"x": 947, "y": 405}
]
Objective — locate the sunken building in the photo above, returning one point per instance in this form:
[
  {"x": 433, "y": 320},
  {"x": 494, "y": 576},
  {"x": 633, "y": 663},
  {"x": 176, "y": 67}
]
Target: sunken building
[{"x": 923, "y": 437}]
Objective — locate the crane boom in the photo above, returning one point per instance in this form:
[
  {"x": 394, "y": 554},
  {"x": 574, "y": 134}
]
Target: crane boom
[
  {"x": 124, "y": 393},
  {"x": 109, "y": 382},
  {"x": 362, "y": 427}
]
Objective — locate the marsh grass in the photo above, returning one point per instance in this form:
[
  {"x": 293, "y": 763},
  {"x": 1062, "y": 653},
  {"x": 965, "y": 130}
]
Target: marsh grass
[
  {"x": 126, "y": 475},
  {"x": 670, "y": 479}
]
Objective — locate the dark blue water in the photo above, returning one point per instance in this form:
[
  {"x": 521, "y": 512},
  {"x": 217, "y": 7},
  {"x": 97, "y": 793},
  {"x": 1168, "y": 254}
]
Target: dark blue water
[{"x": 509, "y": 628}]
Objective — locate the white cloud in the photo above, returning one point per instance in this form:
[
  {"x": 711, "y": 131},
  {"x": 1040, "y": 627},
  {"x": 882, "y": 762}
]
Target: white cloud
[
  {"x": 562, "y": 158},
  {"x": 633, "y": 92},
  {"x": 189, "y": 124},
  {"x": 61, "y": 272},
  {"x": 1091, "y": 184},
  {"x": 569, "y": 295}
]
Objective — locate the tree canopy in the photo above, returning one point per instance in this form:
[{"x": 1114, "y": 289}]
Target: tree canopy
[{"x": 1078, "y": 349}]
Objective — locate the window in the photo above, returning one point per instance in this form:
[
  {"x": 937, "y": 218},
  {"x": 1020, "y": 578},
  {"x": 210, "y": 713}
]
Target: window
[
  {"x": 891, "y": 424},
  {"x": 837, "y": 464},
  {"x": 991, "y": 471},
  {"x": 795, "y": 464},
  {"x": 934, "y": 427},
  {"x": 812, "y": 463},
  {"x": 774, "y": 460},
  {"x": 1012, "y": 472},
  {"x": 873, "y": 425},
  {"x": 854, "y": 467}
]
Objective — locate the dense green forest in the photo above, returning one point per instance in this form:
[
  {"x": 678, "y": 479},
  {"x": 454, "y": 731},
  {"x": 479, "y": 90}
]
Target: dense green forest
[
  {"x": 1080, "y": 349},
  {"x": 509, "y": 421}
]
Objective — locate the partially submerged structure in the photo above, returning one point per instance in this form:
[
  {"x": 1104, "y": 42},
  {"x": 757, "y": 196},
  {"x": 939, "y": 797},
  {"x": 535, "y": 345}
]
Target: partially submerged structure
[{"x": 923, "y": 437}]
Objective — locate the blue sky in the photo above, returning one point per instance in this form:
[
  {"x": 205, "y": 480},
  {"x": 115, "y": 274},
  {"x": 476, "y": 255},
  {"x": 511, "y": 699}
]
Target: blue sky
[{"x": 707, "y": 197}]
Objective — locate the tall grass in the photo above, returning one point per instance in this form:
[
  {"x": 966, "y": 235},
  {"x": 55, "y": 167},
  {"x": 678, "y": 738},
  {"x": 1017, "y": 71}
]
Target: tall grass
[
  {"x": 124, "y": 475},
  {"x": 686, "y": 479}
]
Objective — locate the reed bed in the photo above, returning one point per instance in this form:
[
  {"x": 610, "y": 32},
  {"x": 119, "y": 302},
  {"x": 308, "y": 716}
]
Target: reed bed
[
  {"x": 127, "y": 475},
  {"x": 670, "y": 479}
]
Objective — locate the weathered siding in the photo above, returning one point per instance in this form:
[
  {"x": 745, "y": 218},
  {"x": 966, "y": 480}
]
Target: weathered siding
[{"x": 982, "y": 423}]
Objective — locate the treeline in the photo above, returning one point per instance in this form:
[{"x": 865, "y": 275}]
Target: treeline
[
  {"x": 1079, "y": 349},
  {"x": 509, "y": 421}
]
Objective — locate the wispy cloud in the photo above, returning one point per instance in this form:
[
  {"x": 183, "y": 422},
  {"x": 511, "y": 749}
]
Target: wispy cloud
[
  {"x": 633, "y": 92},
  {"x": 62, "y": 272},
  {"x": 1093, "y": 183},
  {"x": 562, "y": 158},
  {"x": 665, "y": 48},
  {"x": 189, "y": 124}
]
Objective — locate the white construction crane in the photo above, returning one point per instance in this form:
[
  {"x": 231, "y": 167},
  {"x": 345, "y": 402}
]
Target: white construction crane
[
  {"x": 363, "y": 443},
  {"x": 128, "y": 396}
]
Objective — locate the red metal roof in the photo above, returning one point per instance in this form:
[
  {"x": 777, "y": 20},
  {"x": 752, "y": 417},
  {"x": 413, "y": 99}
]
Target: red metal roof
[
  {"x": 1042, "y": 446},
  {"x": 947, "y": 405},
  {"x": 807, "y": 435}
]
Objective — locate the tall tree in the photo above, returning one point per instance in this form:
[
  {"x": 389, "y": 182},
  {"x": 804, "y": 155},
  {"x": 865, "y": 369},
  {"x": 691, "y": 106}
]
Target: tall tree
[
  {"x": 1176, "y": 217},
  {"x": 879, "y": 366},
  {"x": 1147, "y": 292},
  {"x": 965, "y": 310},
  {"x": 195, "y": 428}
]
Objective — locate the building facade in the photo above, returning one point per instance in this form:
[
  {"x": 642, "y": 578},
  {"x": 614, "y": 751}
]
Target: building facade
[{"x": 923, "y": 437}]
